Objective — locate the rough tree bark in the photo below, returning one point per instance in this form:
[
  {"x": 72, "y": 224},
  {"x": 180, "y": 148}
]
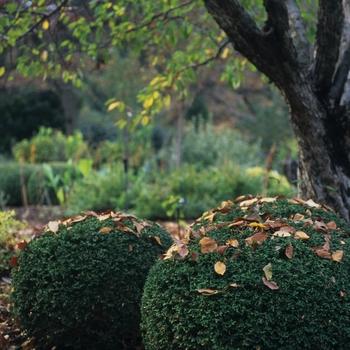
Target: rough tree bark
[{"x": 314, "y": 80}]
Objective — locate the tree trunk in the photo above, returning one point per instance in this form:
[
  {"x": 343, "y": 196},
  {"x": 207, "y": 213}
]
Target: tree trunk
[
  {"x": 70, "y": 101},
  {"x": 315, "y": 85}
]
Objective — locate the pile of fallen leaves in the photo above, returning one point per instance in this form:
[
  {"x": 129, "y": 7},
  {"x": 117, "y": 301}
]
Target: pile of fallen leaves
[{"x": 273, "y": 273}]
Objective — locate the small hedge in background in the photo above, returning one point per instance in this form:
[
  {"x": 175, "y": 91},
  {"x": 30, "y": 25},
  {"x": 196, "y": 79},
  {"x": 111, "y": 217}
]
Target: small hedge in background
[
  {"x": 262, "y": 273},
  {"x": 11, "y": 176},
  {"x": 79, "y": 285}
]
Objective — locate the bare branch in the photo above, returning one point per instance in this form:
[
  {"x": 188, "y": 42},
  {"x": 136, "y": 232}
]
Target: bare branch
[
  {"x": 328, "y": 38},
  {"x": 298, "y": 33}
]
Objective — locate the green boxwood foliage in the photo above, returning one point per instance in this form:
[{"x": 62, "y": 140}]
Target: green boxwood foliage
[
  {"x": 253, "y": 275},
  {"x": 11, "y": 181},
  {"x": 79, "y": 285}
]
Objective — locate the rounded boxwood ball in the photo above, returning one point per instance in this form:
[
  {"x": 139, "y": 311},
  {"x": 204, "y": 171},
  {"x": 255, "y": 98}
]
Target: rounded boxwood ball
[
  {"x": 257, "y": 273},
  {"x": 79, "y": 284}
]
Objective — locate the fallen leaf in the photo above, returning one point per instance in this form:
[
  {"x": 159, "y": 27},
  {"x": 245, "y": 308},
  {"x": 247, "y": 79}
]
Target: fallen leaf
[
  {"x": 210, "y": 217},
  {"x": 22, "y": 244},
  {"x": 258, "y": 224},
  {"x": 234, "y": 285},
  {"x": 342, "y": 294},
  {"x": 338, "y": 255},
  {"x": 130, "y": 247},
  {"x": 170, "y": 251},
  {"x": 239, "y": 199},
  {"x": 281, "y": 234},
  {"x": 225, "y": 204},
  {"x": 258, "y": 238},
  {"x": 236, "y": 254},
  {"x": 238, "y": 222},
  {"x": 221, "y": 249},
  {"x": 208, "y": 292},
  {"x": 220, "y": 268},
  {"x": 194, "y": 256},
  {"x": 207, "y": 244},
  {"x": 289, "y": 252},
  {"x": 252, "y": 217},
  {"x": 53, "y": 226},
  {"x": 122, "y": 227},
  {"x": 267, "y": 200},
  {"x": 139, "y": 227},
  {"x": 248, "y": 202},
  {"x": 312, "y": 204},
  {"x": 268, "y": 271},
  {"x": 320, "y": 226},
  {"x": 105, "y": 230},
  {"x": 233, "y": 243},
  {"x": 298, "y": 217},
  {"x": 270, "y": 284},
  {"x": 323, "y": 253},
  {"x": 13, "y": 261},
  {"x": 157, "y": 239},
  {"x": 301, "y": 235},
  {"x": 182, "y": 252},
  {"x": 332, "y": 225}
]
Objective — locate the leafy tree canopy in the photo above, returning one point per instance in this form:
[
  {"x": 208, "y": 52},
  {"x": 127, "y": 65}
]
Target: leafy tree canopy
[{"x": 175, "y": 39}]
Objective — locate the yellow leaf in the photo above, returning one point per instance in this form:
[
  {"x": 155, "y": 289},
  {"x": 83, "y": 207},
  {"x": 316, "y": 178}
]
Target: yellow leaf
[
  {"x": 268, "y": 271},
  {"x": 44, "y": 55},
  {"x": 220, "y": 268},
  {"x": 225, "y": 52},
  {"x": 166, "y": 100},
  {"x": 2, "y": 71},
  {"x": 148, "y": 103},
  {"x": 156, "y": 94},
  {"x": 301, "y": 235},
  {"x": 155, "y": 80},
  {"x": 257, "y": 224},
  {"x": 145, "y": 120},
  {"x": 46, "y": 24},
  {"x": 105, "y": 230},
  {"x": 154, "y": 62},
  {"x": 113, "y": 105},
  {"x": 233, "y": 242},
  {"x": 338, "y": 255}
]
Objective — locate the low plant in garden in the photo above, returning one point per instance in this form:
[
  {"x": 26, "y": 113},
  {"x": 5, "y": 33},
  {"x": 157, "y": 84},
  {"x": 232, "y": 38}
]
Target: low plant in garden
[
  {"x": 256, "y": 273},
  {"x": 9, "y": 229},
  {"x": 79, "y": 284}
]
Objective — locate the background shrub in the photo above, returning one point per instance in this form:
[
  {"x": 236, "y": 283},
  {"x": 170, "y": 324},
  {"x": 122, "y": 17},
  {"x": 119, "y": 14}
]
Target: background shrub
[
  {"x": 11, "y": 175},
  {"x": 235, "y": 283},
  {"x": 80, "y": 285}
]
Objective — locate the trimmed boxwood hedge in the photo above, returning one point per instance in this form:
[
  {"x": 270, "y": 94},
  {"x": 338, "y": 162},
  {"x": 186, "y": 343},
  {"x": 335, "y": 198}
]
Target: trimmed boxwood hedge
[
  {"x": 79, "y": 284},
  {"x": 262, "y": 273}
]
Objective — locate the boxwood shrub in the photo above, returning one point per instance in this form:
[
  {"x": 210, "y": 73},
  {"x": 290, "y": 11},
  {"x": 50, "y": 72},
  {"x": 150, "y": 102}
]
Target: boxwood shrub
[
  {"x": 258, "y": 273},
  {"x": 79, "y": 284}
]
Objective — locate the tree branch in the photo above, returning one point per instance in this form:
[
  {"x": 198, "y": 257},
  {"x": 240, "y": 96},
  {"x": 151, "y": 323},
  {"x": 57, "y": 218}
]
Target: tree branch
[
  {"x": 298, "y": 33},
  {"x": 341, "y": 75},
  {"x": 328, "y": 37}
]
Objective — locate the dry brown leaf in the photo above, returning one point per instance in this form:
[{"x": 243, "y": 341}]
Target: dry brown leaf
[
  {"x": 220, "y": 268},
  {"x": 122, "y": 227},
  {"x": 90, "y": 213},
  {"x": 258, "y": 238},
  {"x": 298, "y": 217},
  {"x": 301, "y": 235},
  {"x": 338, "y": 255},
  {"x": 233, "y": 242},
  {"x": 13, "y": 261},
  {"x": 236, "y": 254},
  {"x": 139, "y": 227},
  {"x": 289, "y": 252},
  {"x": 169, "y": 254},
  {"x": 225, "y": 204},
  {"x": 320, "y": 226},
  {"x": 252, "y": 217},
  {"x": 248, "y": 202},
  {"x": 182, "y": 252},
  {"x": 105, "y": 230},
  {"x": 267, "y": 200},
  {"x": 194, "y": 256},
  {"x": 239, "y": 199},
  {"x": 130, "y": 247},
  {"x": 287, "y": 228},
  {"x": 104, "y": 217},
  {"x": 323, "y": 253},
  {"x": 210, "y": 217},
  {"x": 234, "y": 285},
  {"x": 312, "y": 204},
  {"x": 22, "y": 244},
  {"x": 222, "y": 249},
  {"x": 208, "y": 292},
  {"x": 342, "y": 294},
  {"x": 77, "y": 218},
  {"x": 157, "y": 239},
  {"x": 332, "y": 225},
  {"x": 208, "y": 245},
  {"x": 238, "y": 222},
  {"x": 268, "y": 271},
  {"x": 270, "y": 284}
]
